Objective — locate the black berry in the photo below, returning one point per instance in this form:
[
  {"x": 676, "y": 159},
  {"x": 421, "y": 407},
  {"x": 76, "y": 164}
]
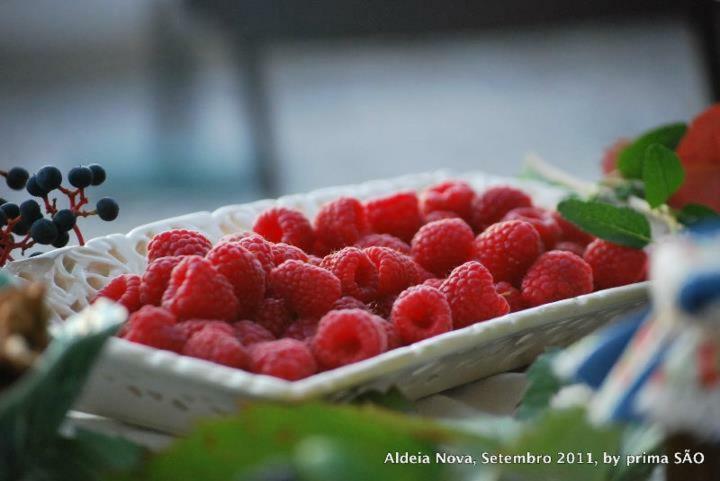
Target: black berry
[
  {"x": 3, "y": 219},
  {"x": 10, "y": 210},
  {"x": 80, "y": 177},
  {"x": 34, "y": 188},
  {"x": 21, "y": 228},
  {"x": 49, "y": 178},
  {"x": 30, "y": 211},
  {"x": 64, "y": 220},
  {"x": 62, "y": 240},
  {"x": 107, "y": 209},
  {"x": 17, "y": 178},
  {"x": 43, "y": 231},
  {"x": 98, "y": 174}
]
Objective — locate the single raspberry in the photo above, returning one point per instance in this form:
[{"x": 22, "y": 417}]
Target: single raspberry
[
  {"x": 393, "y": 340},
  {"x": 288, "y": 359},
  {"x": 421, "y": 312},
  {"x": 382, "y": 307},
  {"x": 341, "y": 223},
  {"x": 568, "y": 246},
  {"x": 614, "y": 265},
  {"x": 249, "y": 333},
  {"x": 197, "y": 291},
  {"x": 570, "y": 232},
  {"x": 348, "y": 336},
  {"x": 357, "y": 273},
  {"x": 178, "y": 242},
  {"x": 492, "y": 205},
  {"x": 442, "y": 245},
  {"x": 285, "y": 252},
  {"x": 217, "y": 346},
  {"x": 348, "y": 302},
  {"x": 155, "y": 279},
  {"x": 308, "y": 290},
  {"x": 191, "y": 326},
  {"x": 123, "y": 289},
  {"x": 472, "y": 296},
  {"x": 244, "y": 272},
  {"x": 303, "y": 329},
  {"x": 440, "y": 215},
  {"x": 397, "y": 214},
  {"x": 155, "y": 327},
  {"x": 452, "y": 195},
  {"x": 384, "y": 240},
  {"x": 541, "y": 219},
  {"x": 512, "y": 295},
  {"x": 554, "y": 276},
  {"x": 434, "y": 282},
  {"x": 290, "y": 226},
  {"x": 257, "y": 245},
  {"x": 396, "y": 272},
  {"x": 274, "y": 315},
  {"x": 508, "y": 249}
]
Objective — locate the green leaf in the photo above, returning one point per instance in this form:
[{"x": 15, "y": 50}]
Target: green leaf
[
  {"x": 663, "y": 174},
  {"x": 620, "y": 225},
  {"x": 543, "y": 384},
  {"x": 630, "y": 161},
  {"x": 693, "y": 213}
]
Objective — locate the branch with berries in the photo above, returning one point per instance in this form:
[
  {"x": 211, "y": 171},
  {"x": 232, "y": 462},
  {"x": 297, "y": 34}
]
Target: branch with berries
[{"x": 43, "y": 221}]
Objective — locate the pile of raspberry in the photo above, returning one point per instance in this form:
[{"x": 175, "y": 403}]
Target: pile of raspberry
[{"x": 295, "y": 297}]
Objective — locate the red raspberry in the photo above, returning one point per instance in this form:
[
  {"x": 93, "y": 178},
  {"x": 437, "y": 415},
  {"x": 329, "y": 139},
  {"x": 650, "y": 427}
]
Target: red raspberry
[
  {"x": 508, "y": 249},
  {"x": 156, "y": 278},
  {"x": 190, "y": 327},
  {"x": 303, "y": 329},
  {"x": 273, "y": 315},
  {"x": 341, "y": 223},
  {"x": 217, "y": 346},
  {"x": 397, "y": 214},
  {"x": 614, "y": 265},
  {"x": 393, "y": 340},
  {"x": 383, "y": 240},
  {"x": 178, "y": 242},
  {"x": 285, "y": 252},
  {"x": 237, "y": 236},
  {"x": 123, "y": 289},
  {"x": 570, "y": 232},
  {"x": 250, "y": 333},
  {"x": 314, "y": 260},
  {"x": 554, "y": 276},
  {"x": 197, "y": 291},
  {"x": 290, "y": 226},
  {"x": 348, "y": 302},
  {"x": 439, "y": 215},
  {"x": 383, "y": 306},
  {"x": 472, "y": 296},
  {"x": 242, "y": 269},
  {"x": 568, "y": 246},
  {"x": 492, "y": 205},
  {"x": 308, "y": 290},
  {"x": 155, "y": 327},
  {"x": 452, "y": 195},
  {"x": 257, "y": 245},
  {"x": 512, "y": 295},
  {"x": 541, "y": 219},
  {"x": 288, "y": 359},
  {"x": 422, "y": 275},
  {"x": 434, "y": 282},
  {"x": 442, "y": 245},
  {"x": 358, "y": 275},
  {"x": 421, "y": 312},
  {"x": 348, "y": 336},
  {"x": 396, "y": 272}
]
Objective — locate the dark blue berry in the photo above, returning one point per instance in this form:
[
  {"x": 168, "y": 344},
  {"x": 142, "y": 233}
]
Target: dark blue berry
[
  {"x": 17, "y": 178},
  {"x": 10, "y": 210},
  {"x": 98, "y": 174},
  {"x": 30, "y": 211},
  {"x": 62, "y": 240},
  {"x": 21, "y": 228},
  {"x": 43, "y": 231},
  {"x": 64, "y": 220},
  {"x": 49, "y": 178},
  {"x": 80, "y": 177},
  {"x": 3, "y": 219},
  {"x": 34, "y": 188},
  {"x": 107, "y": 209}
]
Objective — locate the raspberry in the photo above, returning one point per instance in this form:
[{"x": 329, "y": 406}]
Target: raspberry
[
  {"x": 155, "y": 279},
  {"x": 541, "y": 219},
  {"x": 472, "y": 296},
  {"x": 123, "y": 289},
  {"x": 217, "y": 346},
  {"x": 285, "y": 252},
  {"x": 237, "y": 236},
  {"x": 197, "y": 290},
  {"x": 568, "y": 246},
  {"x": 303, "y": 329},
  {"x": 178, "y": 242},
  {"x": 358, "y": 275},
  {"x": 288, "y": 359},
  {"x": 155, "y": 327},
  {"x": 383, "y": 240},
  {"x": 383, "y": 306},
  {"x": 397, "y": 214},
  {"x": 422, "y": 275},
  {"x": 396, "y": 272},
  {"x": 570, "y": 232},
  {"x": 421, "y": 312},
  {"x": 250, "y": 333},
  {"x": 190, "y": 327},
  {"x": 244, "y": 272},
  {"x": 257, "y": 245},
  {"x": 554, "y": 276},
  {"x": 508, "y": 249},
  {"x": 393, "y": 340},
  {"x": 434, "y": 282},
  {"x": 442, "y": 245},
  {"x": 348, "y": 302},
  {"x": 452, "y": 195},
  {"x": 492, "y": 205},
  {"x": 512, "y": 295},
  {"x": 341, "y": 223},
  {"x": 614, "y": 265},
  {"x": 315, "y": 260},
  {"x": 439, "y": 215},
  {"x": 273, "y": 315},
  {"x": 348, "y": 336},
  {"x": 308, "y": 290},
  {"x": 290, "y": 226}
]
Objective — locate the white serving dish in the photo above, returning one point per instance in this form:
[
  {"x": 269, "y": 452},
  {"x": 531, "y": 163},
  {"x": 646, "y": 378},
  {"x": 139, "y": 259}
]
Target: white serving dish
[{"x": 165, "y": 391}]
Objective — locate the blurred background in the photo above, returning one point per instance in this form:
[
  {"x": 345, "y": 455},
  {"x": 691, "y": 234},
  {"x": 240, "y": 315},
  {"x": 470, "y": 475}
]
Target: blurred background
[{"x": 194, "y": 104}]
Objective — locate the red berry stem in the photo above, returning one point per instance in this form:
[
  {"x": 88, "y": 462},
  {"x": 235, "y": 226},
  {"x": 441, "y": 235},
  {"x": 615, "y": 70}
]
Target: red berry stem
[{"x": 78, "y": 234}]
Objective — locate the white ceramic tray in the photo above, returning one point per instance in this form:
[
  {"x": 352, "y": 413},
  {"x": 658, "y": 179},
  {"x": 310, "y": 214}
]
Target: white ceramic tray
[{"x": 165, "y": 391}]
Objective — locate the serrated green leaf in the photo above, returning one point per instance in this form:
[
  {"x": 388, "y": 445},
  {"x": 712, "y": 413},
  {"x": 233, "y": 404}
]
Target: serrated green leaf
[
  {"x": 543, "y": 384},
  {"x": 693, "y": 213},
  {"x": 630, "y": 160},
  {"x": 663, "y": 174},
  {"x": 620, "y": 225}
]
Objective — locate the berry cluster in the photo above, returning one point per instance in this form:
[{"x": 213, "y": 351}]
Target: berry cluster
[
  {"x": 32, "y": 222},
  {"x": 297, "y": 297}
]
